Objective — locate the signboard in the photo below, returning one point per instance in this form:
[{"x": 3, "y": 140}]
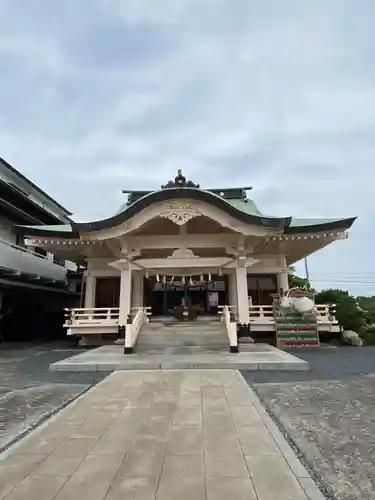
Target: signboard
[{"x": 293, "y": 331}]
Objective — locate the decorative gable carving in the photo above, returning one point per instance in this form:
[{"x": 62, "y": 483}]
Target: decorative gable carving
[
  {"x": 183, "y": 253},
  {"x": 180, "y": 213}
]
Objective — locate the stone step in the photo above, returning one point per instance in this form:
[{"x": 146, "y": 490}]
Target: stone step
[
  {"x": 179, "y": 334},
  {"x": 183, "y": 340},
  {"x": 176, "y": 326},
  {"x": 151, "y": 328}
]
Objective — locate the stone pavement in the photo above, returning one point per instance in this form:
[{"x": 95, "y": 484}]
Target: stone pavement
[
  {"x": 182, "y": 357},
  {"x": 175, "y": 435}
]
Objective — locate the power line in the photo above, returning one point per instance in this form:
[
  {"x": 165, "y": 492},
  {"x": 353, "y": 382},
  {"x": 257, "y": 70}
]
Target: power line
[
  {"x": 346, "y": 285},
  {"x": 359, "y": 280},
  {"x": 343, "y": 275},
  {"x": 345, "y": 281}
]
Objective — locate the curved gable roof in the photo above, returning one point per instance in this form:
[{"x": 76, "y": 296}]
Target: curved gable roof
[
  {"x": 233, "y": 201},
  {"x": 184, "y": 193}
]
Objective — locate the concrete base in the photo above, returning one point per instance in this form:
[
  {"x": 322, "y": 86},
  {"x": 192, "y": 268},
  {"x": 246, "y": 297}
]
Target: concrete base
[
  {"x": 256, "y": 357},
  {"x": 90, "y": 341}
]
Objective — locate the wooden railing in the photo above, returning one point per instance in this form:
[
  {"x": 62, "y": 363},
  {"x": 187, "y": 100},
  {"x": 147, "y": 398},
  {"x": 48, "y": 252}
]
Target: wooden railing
[
  {"x": 232, "y": 310},
  {"x": 133, "y": 329},
  {"x": 91, "y": 315},
  {"x": 265, "y": 313},
  {"x": 231, "y": 328},
  {"x": 261, "y": 314}
]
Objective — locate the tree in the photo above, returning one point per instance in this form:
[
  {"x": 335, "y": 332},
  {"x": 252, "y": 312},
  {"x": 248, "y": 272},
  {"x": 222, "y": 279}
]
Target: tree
[
  {"x": 349, "y": 315},
  {"x": 296, "y": 281},
  {"x": 367, "y": 304}
]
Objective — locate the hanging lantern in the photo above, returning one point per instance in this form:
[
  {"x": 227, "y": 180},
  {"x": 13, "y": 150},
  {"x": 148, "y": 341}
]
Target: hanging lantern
[
  {"x": 157, "y": 278},
  {"x": 209, "y": 276},
  {"x": 183, "y": 280}
]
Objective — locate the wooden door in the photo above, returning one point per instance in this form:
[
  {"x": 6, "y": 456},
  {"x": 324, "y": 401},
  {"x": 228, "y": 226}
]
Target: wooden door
[
  {"x": 261, "y": 287},
  {"x": 107, "y": 292}
]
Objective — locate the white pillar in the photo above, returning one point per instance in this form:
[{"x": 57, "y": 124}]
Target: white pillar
[
  {"x": 137, "y": 294},
  {"x": 242, "y": 297},
  {"x": 125, "y": 292},
  {"x": 232, "y": 289},
  {"x": 283, "y": 281},
  {"x": 90, "y": 291}
]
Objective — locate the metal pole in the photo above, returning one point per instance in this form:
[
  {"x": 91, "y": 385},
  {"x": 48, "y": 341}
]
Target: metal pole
[{"x": 307, "y": 271}]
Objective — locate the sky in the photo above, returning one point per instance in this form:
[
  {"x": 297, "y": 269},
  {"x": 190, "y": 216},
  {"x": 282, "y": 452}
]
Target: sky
[{"x": 97, "y": 96}]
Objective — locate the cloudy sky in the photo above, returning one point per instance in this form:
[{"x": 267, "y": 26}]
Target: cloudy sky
[{"x": 102, "y": 95}]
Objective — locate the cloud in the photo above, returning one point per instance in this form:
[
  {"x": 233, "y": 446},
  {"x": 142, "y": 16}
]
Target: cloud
[{"x": 102, "y": 95}]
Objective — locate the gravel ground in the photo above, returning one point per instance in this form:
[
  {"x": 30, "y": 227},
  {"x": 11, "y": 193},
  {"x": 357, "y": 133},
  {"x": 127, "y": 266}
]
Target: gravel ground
[
  {"x": 328, "y": 414},
  {"x": 29, "y": 392}
]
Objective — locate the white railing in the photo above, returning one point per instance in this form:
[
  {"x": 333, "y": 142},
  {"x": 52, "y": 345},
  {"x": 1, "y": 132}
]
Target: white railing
[
  {"x": 231, "y": 328},
  {"x": 326, "y": 312},
  {"x": 89, "y": 316},
  {"x": 21, "y": 260},
  {"x": 133, "y": 329},
  {"x": 265, "y": 313},
  {"x": 261, "y": 314},
  {"x": 232, "y": 310}
]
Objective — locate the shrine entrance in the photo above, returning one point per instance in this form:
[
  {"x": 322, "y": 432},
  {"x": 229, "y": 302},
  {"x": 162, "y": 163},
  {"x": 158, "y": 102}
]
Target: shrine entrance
[{"x": 205, "y": 297}]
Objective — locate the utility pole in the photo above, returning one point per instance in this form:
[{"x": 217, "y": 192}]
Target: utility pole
[{"x": 307, "y": 272}]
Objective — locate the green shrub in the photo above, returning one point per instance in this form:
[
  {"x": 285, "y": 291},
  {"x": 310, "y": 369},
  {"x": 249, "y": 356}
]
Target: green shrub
[
  {"x": 368, "y": 335},
  {"x": 348, "y": 314}
]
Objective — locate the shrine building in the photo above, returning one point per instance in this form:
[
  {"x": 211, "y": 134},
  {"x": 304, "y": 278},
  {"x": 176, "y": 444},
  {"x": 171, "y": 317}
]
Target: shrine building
[{"x": 207, "y": 250}]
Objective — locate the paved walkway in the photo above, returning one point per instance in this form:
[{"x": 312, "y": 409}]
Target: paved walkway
[
  {"x": 149, "y": 435},
  {"x": 184, "y": 357}
]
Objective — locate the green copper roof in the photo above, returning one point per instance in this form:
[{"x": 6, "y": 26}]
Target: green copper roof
[
  {"x": 64, "y": 228},
  {"x": 233, "y": 201},
  {"x": 123, "y": 207},
  {"x": 244, "y": 204},
  {"x": 248, "y": 206},
  {"x": 296, "y": 222}
]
